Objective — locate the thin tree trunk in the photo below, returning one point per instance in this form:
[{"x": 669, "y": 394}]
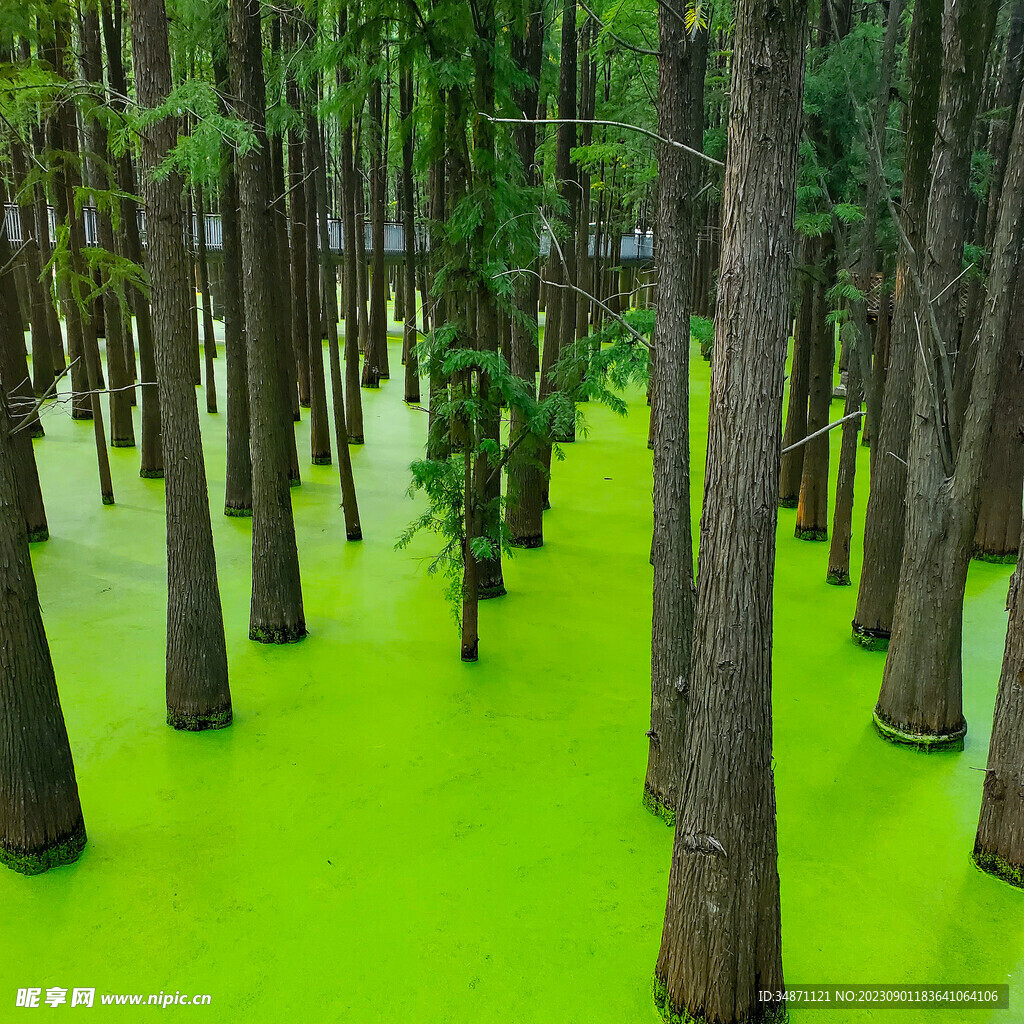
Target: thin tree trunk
[
  {"x": 721, "y": 946},
  {"x": 408, "y": 270},
  {"x": 198, "y": 696},
  {"x": 682, "y": 65},
  {"x": 209, "y": 337},
  {"x": 792, "y": 466},
  {"x": 276, "y": 613}
]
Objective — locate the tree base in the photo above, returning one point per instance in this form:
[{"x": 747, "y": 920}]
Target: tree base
[
  {"x": 491, "y": 589},
  {"x": 998, "y": 867},
  {"x": 356, "y": 440},
  {"x": 190, "y": 721},
  {"x": 470, "y": 654},
  {"x": 838, "y": 578},
  {"x": 533, "y": 541},
  {"x": 926, "y": 742},
  {"x": 37, "y": 536},
  {"x": 81, "y": 414},
  {"x": 238, "y": 511},
  {"x": 1006, "y": 558},
  {"x": 870, "y": 639},
  {"x": 658, "y": 807},
  {"x": 321, "y": 460},
  {"x": 65, "y": 850},
  {"x": 775, "y": 1014},
  {"x": 788, "y": 502},
  {"x": 295, "y": 481},
  {"x": 812, "y": 534},
  {"x": 278, "y": 635},
  {"x": 151, "y": 474},
  {"x": 107, "y": 499},
  {"x": 356, "y": 534},
  {"x": 122, "y": 442}
]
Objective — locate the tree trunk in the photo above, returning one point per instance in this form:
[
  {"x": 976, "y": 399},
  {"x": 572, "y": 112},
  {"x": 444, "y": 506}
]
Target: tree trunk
[
  {"x": 276, "y": 613},
  {"x": 885, "y": 520},
  {"x": 41, "y": 824},
  {"x": 198, "y": 696},
  {"x": 408, "y": 270},
  {"x": 792, "y": 466},
  {"x": 209, "y": 337},
  {"x": 353, "y": 398},
  {"x": 920, "y": 703},
  {"x": 721, "y": 943},
  {"x": 812, "y": 508},
  {"x": 375, "y": 363},
  {"x": 682, "y": 65}
]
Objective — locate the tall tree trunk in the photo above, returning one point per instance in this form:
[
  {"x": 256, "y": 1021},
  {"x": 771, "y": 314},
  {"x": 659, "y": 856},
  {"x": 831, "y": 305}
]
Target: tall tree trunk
[
  {"x": 238, "y": 471},
  {"x": 375, "y": 364},
  {"x": 682, "y": 65},
  {"x": 276, "y": 613},
  {"x": 792, "y": 466},
  {"x": 885, "y": 518},
  {"x": 921, "y": 702},
  {"x": 812, "y": 508},
  {"x": 721, "y": 943},
  {"x": 198, "y": 696},
  {"x": 408, "y": 270},
  {"x": 41, "y": 824},
  {"x": 999, "y": 518},
  {"x": 209, "y": 337},
  {"x": 523, "y": 508},
  {"x": 353, "y": 398}
]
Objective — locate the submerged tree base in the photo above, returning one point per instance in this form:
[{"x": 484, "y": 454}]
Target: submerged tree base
[
  {"x": 239, "y": 511},
  {"x": 358, "y": 439},
  {"x": 65, "y": 850},
  {"x": 278, "y": 634},
  {"x": 838, "y": 578},
  {"x": 772, "y": 1014},
  {"x": 788, "y": 502},
  {"x": 356, "y": 534},
  {"x": 193, "y": 721},
  {"x": 151, "y": 474},
  {"x": 998, "y": 867},
  {"x": 35, "y": 536},
  {"x": 927, "y": 742},
  {"x": 494, "y": 588},
  {"x": 123, "y": 442},
  {"x": 658, "y": 807},
  {"x": 321, "y": 460},
  {"x": 811, "y": 534},
  {"x": 107, "y": 499},
  {"x": 870, "y": 639},
  {"x": 1005, "y": 558},
  {"x": 535, "y": 540}
]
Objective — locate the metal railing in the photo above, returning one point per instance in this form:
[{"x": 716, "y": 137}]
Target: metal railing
[{"x": 635, "y": 247}]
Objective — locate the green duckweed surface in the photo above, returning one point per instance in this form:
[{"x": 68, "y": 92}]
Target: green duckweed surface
[{"x": 387, "y": 834}]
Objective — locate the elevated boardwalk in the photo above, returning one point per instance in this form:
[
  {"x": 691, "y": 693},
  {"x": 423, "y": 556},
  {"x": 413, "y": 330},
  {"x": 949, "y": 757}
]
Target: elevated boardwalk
[{"x": 636, "y": 249}]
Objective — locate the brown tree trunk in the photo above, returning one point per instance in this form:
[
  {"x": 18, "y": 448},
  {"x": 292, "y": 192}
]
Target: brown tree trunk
[
  {"x": 999, "y": 844},
  {"x": 721, "y": 942},
  {"x": 408, "y": 270},
  {"x": 920, "y": 703},
  {"x": 812, "y": 507},
  {"x": 276, "y": 613},
  {"x": 792, "y": 466},
  {"x": 682, "y": 65},
  {"x": 41, "y": 824},
  {"x": 999, "y": 518},
  {"x": 353, "y": 398},
  {"x": 198, "y": 696},
  {"x": 209, "y": 337},
  {"x": 375, "y": 363},
  {"x": 886, "y": 512},
  {"x": 238, "y": 470}
]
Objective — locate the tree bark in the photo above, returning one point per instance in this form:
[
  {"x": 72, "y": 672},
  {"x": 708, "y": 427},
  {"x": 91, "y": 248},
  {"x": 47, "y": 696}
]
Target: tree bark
[
  {"x": 198, "y": 696},
  {"x": 682, "y": 65},
  {"x": 885, "y": 519},
  {"x": 276, "y": 612},
  {"x": 721, "y": 942},
  {"x": 41, "y": 823},
  {"x": 792, "y": 466}
]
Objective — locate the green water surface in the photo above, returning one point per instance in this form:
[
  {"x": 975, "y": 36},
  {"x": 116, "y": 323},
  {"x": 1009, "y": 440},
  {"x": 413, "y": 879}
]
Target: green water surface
[{"x": 386, "y": 834}]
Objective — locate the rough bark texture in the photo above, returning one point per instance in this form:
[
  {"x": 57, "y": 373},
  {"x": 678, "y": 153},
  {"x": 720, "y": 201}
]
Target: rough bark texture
[
  {"x": 921, "y": 699},
  {"x": 999, "y": 518},
  {"x": 886, "y": 512},
  {"x": 41, "y": 822},
  {"x": 792, "y": 465},
  {"x": 523, "y": 511},
  {"x": 812, "y": 507},
  {"x": 999, "y": 844},
  {"x": 721, "y": 943},
  {"x": 408, "y": 270},
  {"x": 198, "y": 696},
  {"x": 680, "y": 118},
  {"x": 319, "y": 421},
  {"x": 276, "y": 613},
  {"x": 375, "y": 362}
]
